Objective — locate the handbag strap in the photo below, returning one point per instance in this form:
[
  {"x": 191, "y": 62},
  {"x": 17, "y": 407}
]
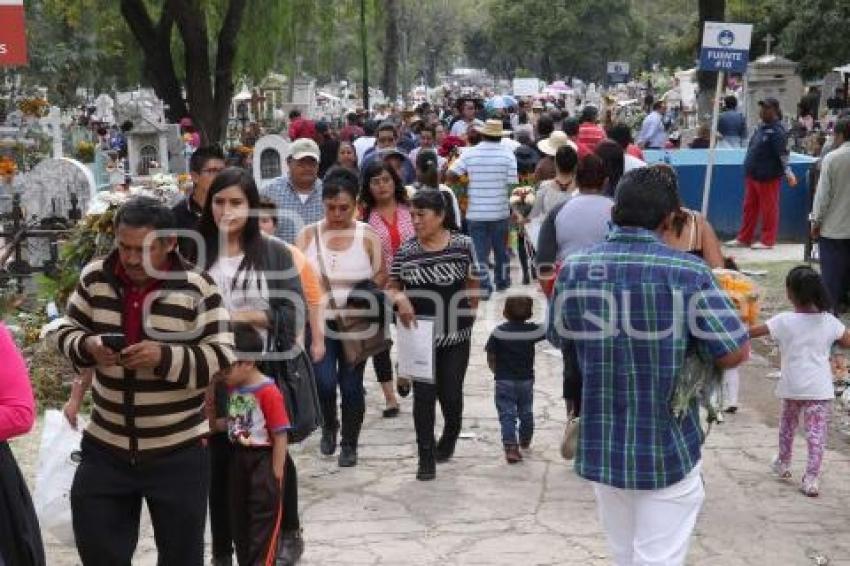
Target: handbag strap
[{"x": 320, "y": 258}]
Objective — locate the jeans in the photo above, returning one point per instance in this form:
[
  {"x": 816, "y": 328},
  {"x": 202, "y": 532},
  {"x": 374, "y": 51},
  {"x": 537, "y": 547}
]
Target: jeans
[
  {"x": 332, "y": 371},
  {"x": 835, "y": 268},
  {"x": 492, "y": 235},
  {"x": 106, "y": 505},
  {"x": 450, "y": 371},
  {"x": 515, "y": 401}
]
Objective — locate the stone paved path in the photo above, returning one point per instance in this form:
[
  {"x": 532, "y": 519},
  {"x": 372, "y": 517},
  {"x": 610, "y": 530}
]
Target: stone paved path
[{"x": 481, "y": 511}]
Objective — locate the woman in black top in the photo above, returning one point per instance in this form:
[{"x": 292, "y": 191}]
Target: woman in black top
[{"x": 431, "y": 275}]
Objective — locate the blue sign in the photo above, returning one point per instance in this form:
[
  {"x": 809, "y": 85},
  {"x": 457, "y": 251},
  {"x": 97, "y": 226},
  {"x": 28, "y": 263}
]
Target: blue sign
[{"x": 725, "y": 47}]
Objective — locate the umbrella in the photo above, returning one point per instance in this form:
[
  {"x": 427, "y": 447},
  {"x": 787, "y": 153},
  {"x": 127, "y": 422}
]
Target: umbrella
[
  {"x": 559, "y": 87},
  {"x": 500, "y": 102}
]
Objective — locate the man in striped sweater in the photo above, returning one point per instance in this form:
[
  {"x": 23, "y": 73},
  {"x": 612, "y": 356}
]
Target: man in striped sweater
[{"x": 155, "y": 332}]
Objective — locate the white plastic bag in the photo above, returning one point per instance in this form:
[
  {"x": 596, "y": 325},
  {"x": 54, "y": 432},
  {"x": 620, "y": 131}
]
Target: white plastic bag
[{"x": 58, "y": 457}]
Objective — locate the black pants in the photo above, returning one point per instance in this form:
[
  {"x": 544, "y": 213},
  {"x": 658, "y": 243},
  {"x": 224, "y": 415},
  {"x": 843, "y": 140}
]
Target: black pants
[
  {"x": 106, "y": 501},
  {"x": 572, "y": 375},
  {"x": 522, "y": 252},
  {"x": 255, "y": 505},
  {"x": 220, "y": 455},
  {"x": 383, "y": 366},
  {"x": 835, "y": 269},
  {"x": 221, "y": 452},
  {"x": 20, "y": 536},
  {"x": 450, "y": 370}
]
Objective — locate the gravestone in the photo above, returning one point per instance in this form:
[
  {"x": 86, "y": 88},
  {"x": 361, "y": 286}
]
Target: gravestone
[
  {"x": 775, "y": 76},
  {"x": 104, "y": 109},
  {"x": 46, "y": 192},
  {"x": 269, "y": 160},
  {"x": 52, "y": 126}
]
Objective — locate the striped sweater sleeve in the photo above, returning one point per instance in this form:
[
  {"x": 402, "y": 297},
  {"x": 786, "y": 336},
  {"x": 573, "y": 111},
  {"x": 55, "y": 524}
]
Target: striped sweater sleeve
[
  {"x": 76, "y": 326},
  {"x": 192, "y": 365}
]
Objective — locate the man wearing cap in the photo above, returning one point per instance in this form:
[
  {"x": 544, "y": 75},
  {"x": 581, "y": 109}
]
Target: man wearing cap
[
  {"x": 492, "y": 171},
  {"x": 765, "y": 164},
  {"x": 386, "y": 145},
  {"x": 652, "y": 133},
  {"x": 298, "y": 196}
]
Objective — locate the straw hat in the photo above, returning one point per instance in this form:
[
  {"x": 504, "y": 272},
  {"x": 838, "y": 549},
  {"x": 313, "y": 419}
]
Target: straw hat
[
  {"x": 490, "y": 128},
  {"x": 554, "y": 142}
]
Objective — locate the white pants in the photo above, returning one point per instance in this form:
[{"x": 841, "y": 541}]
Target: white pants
[
  {"x": 731, "y": 380},
  {"x": 651, "y": 527}
]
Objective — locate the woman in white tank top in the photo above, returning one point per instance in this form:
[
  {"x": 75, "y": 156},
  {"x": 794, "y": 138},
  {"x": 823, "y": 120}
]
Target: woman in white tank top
[{"x": 350, "y": 254}]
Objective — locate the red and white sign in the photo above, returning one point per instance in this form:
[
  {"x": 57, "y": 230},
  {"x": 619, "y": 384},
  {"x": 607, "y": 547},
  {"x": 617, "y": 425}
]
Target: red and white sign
[{"x": 13, "y": 35}]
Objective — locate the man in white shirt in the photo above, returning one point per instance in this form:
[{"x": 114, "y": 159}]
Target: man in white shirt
[
  {"x": 831, "y": 215},
  {"x": 492, "y": 171},
  {"x": 467, "y": 115},
  {"x": 652, "y": 133},
  {"x": 366, "y": 142}
]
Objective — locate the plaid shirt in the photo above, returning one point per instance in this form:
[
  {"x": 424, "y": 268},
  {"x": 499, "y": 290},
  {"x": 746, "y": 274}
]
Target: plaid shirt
[
  {"x": 292, "y": 214},
  {"x": 629, "y": 437}
]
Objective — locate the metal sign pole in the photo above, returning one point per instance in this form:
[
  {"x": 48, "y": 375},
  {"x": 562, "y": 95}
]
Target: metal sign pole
[{"x": 715, "y": 114}]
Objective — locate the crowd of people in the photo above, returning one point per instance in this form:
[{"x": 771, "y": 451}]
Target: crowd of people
[{"x": 413, "y": 213}]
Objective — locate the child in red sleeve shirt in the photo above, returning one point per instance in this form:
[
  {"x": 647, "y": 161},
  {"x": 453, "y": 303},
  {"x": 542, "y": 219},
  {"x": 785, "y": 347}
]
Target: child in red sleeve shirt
[{"x": 257, "y": 426}]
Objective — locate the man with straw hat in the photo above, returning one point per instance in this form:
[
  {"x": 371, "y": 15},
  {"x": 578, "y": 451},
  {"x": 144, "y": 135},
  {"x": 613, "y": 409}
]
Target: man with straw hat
[
  {"x": 492, "y": 171},
  {"x": 545, "y": 169}
]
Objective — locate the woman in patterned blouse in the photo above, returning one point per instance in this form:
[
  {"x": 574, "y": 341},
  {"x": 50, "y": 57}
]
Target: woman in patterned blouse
[
  {"x": 383, "y": 201},
  {"x": 431, "y": 276}
]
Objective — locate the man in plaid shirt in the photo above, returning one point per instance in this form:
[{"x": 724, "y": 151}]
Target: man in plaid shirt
[
  {"x": 632, "y": 306},
  {"x": 297, "y": 196}
]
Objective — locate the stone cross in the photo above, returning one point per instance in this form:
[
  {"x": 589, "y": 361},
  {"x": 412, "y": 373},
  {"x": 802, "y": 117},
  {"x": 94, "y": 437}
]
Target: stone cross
[{"x": 768, "y": 39}]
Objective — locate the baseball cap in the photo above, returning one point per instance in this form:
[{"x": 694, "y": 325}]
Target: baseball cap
[{"x": 304, "y": 147}]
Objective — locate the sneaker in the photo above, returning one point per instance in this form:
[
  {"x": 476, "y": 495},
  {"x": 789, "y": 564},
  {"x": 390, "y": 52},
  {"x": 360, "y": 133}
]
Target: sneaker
[
  {"x": 512, "y": 454},
  {"x": 779, "y": 469},
  {"x": 736, "y": 243},
  {"x": 809, "y": 487},
  {"x": 760, "y": 246}
]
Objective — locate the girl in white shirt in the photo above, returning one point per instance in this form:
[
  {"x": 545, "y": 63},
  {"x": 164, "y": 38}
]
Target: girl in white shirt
[{"x": 805, "y": 338}]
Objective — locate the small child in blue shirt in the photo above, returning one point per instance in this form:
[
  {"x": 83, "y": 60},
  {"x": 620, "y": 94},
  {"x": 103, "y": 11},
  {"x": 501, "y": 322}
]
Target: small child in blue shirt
[{"x": 510, "y": 355}]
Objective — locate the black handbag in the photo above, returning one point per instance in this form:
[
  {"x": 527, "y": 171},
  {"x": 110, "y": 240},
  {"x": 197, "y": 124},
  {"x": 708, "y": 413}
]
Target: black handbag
[{"x": 291, "y": 368}]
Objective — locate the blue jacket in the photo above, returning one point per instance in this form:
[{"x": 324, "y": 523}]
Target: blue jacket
[
  {"x": 731, "y": 123},
  {"x": 767, "y": 153}
]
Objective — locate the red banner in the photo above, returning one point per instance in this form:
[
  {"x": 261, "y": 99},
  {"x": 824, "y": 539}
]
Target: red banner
[{"x": 13, "y": 36}]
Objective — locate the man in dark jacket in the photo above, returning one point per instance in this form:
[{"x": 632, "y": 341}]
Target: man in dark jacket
[
  {"x": 764, "y": 166},
  {"x": 204, "y": 165}
]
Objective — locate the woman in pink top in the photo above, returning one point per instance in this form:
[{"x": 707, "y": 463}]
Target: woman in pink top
[
  {"x": 383, "y": 201},
  {"x": 20, "y": 537}
]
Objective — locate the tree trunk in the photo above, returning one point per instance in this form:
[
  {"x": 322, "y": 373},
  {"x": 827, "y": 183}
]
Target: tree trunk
[
  {"x": 364, "y": 48},
  {"x": 155, "y": 43},
  {"x": 208, "y": 95},
  {"x": 709, "y": 11},
  {"x": 391, "y": 51}
]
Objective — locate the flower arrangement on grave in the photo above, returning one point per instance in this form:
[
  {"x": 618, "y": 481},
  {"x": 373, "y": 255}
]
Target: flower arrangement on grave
[
  {"x": 35, "y": 106},
  {"x": 8, "y": 168},
  {"x": 522, "y": 199},
  {"x": 85, "y": 151}
]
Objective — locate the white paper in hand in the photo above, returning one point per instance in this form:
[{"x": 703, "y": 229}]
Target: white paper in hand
[
  {"x": 416, "y": 350},
  {"x": 58, "y": 457}
]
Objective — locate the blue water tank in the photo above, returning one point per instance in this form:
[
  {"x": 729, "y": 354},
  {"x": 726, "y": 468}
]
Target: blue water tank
[{"x": 727, "y": 189}]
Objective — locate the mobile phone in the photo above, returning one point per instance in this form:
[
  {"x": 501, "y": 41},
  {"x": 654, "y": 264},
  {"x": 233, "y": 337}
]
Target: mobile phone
[{"x": 115, "y": 342}]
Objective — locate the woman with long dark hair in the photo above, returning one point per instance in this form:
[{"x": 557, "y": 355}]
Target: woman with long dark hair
[
  {"x": 613, "y": 160},
  {"x": 260, "y": 286},
  {"x": 383, "y": 201},
  {"x": 347, "y": 254},
  {"x": 438, "y": 262}
]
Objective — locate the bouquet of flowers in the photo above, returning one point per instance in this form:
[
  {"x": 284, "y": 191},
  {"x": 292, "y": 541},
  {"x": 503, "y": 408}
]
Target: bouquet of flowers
[
  {"x": 743, "y": 291},
  {"x": 522, "y": 199},
  {"x": 8, "y": 168}
]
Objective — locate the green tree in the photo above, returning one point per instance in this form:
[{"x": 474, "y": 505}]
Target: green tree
[{"x": 816, "y": 35}]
